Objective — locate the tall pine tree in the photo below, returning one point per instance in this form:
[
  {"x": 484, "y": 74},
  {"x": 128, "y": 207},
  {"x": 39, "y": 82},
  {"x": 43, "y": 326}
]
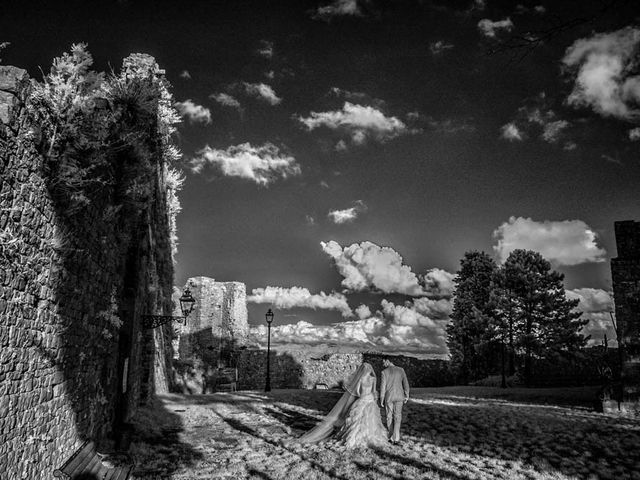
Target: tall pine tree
[
  {"x": 468, "y": 333},
  {"x": 532, "y": 298}
]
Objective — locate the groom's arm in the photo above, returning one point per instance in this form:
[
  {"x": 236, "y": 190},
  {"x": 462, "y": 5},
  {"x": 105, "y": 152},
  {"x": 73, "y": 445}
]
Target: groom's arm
[
  {"x": 383, "y": 385},
  {"x": 405, "y": 386}
]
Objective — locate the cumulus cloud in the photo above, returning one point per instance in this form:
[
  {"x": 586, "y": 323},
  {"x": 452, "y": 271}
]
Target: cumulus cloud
[
  {"x": 287, "y": 298},
  {"x": 511, "y": 132},
  {"x": 266, "y": 49},
  {"x": 490, "y": 28},
  {"x": 348, "y": 214},
  {"x": 592, "y": 300},
  {"x": 366, "y": 265},
  {"x": 604, "y": 69},
  {"x": 439, "y": 47},
  {"x": 261, "y": 164},
  {"x": 634, "y": 134},
  {"x": 437, "y": 282},
  {"x": 363, "y": 311},
  {"x": 339, "y": 8},
  {"x": 225, "y": 99},
  {"x": 393, "y": 328},
  {"x": 595, "y": 304},
  {"x": 360, "y": 122},
  {"x": 194, "y": 112},
  {"x": 263, "y": 92},
  {"x": 568, "y": 242}
]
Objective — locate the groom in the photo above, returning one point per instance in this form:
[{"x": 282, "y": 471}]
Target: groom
[{"x": 394, "y": 392}]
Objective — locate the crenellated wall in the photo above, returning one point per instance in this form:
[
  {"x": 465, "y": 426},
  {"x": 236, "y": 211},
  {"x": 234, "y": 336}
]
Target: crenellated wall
[{"x": 74, "y": 285}]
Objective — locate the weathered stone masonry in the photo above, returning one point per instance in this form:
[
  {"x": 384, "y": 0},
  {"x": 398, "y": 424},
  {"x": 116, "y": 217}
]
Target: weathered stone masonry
[
  {"x": 64, "y": 283},
  {"x": 625, "y": 273}
]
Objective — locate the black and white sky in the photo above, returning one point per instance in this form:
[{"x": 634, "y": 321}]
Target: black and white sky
[{"x": 342, "y": 155}]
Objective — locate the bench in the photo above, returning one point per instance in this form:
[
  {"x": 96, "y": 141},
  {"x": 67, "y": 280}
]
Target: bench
[
  {"x": 87, "y": 464},
  {"x": 227, "y": 378}
]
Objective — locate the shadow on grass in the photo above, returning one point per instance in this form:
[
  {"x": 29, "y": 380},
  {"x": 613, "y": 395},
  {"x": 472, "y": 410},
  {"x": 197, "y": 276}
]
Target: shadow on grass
[
  {"x": 292, "y": 418},
  {"x": 419, "y": 464},
  {"x": 155, "y": 446},
  {"x": 241, "y": 427},
  {"x": 553, "y": 439}
]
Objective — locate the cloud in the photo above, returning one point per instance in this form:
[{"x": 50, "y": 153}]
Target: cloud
[
  {"x": 437, "y": 309},
  {"x": 339, "y": 8},
  {"x": 366, "y": 265},
  {"x": 604, "y": 68},
  {"x": 195, "y": 113},
  {"x": 226, "y": 100},
  {"x": 393, "y": 328},
  {"x": 185, "y": 74},
  {"x": 536, "y": 116},
  {"x": 592, "y": 300},
  {"x": 261, "y": 164},
  {"x": 595, "y": 304},
  {"x": 287, "y": 298},
  {"x": 490, "y": 28},
  {"x": 511, "y": 132},
  {"x": 349, "y": 214},
  {"x": 359, "y": 97},
  {"x": 266, "y": 49},
  {"x": 552, "y": 130},
  {"x": 361, "y": 123},
  {"x": 568, "y": 242},
  {"x": 634, "y": 134},
  {"x": 263, "y": 92},
  {"x": 363, "y": 312},
  {"x": 438, "y": 282},
  {"x": 439, "y": 47}
]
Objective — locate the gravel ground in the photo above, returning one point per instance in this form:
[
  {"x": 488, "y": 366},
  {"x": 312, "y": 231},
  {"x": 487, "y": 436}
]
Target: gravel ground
[{"x": 457, "y": 433}]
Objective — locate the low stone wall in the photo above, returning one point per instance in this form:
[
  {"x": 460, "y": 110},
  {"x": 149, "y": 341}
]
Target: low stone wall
[{"x": 301, "y": 370}]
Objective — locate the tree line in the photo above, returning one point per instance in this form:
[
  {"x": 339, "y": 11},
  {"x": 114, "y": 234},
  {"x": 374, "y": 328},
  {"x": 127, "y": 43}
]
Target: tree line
[{"x": 506, "y": 317}]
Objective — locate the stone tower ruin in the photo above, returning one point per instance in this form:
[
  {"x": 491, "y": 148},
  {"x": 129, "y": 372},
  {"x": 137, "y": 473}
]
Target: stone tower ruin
[{"x": 218, "y": 325}]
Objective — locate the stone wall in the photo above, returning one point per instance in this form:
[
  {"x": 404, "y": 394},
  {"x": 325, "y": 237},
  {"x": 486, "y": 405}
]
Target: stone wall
[
  {"x": 68, "y": 280},
  {"x": 625, "y": 273},
  {"x": 298, "y": 369}
]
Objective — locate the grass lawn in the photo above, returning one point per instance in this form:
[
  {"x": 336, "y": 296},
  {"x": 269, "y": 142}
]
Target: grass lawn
[{"x": 456, "y": 433}]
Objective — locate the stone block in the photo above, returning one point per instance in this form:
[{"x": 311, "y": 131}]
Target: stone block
[
  {"x": 12, "y": 79},
  {"x": 8, "y": 106}
]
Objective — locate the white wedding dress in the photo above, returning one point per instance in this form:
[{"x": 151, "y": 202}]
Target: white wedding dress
[{"x": 355, "y": 419}]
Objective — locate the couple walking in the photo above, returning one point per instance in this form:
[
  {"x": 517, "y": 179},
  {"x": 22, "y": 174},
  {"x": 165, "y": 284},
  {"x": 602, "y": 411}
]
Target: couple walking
[{"x": 355, "y": 419}]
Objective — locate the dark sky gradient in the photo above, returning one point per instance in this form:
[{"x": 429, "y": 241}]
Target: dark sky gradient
[{"x": 430, "y": 196}]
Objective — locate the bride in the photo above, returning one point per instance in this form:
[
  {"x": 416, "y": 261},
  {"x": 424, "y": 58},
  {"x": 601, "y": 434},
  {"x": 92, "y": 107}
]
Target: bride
[{"x": 355, "y": 419}]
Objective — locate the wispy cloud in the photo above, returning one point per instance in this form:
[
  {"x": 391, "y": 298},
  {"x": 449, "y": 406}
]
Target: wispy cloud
[
  {"x": 604, "y": 73},
  {"x": 490, "y": 28},
  {"x": 299, "y": 297},
  {"x": 266, "y": 49},
  {"x": 360, "y": 122},
  {"x": 226, "y": 100},
  {"x": 185, "y": 74},
  {"x": 634, "y": 134},
  {"x": 568, "y": 242},
  {"x": 348, "y": 214},
  {"x": 439, "y": 47},
  {"x": 262, "y": 164},
  {"x": 338, "y": 8},
  {"x": 263, "y": 92},
  {"x": 194, "y": 112}
]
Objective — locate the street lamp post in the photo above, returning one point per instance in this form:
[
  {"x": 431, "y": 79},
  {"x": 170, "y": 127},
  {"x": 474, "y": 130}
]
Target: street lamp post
[{"x": 269, "y": 317}]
